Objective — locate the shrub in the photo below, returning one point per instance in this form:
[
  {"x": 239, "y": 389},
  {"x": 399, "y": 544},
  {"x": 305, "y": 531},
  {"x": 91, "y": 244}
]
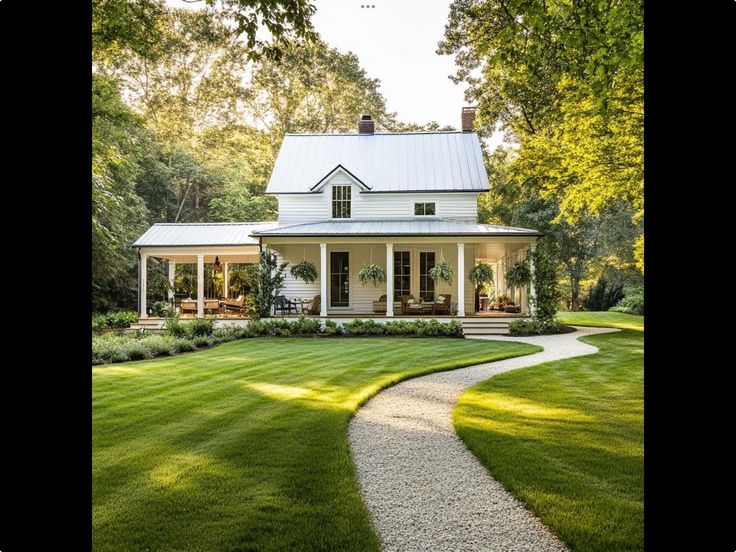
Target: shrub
[
  {"x": 633, "y": 303},
  {"x": 120, "y": 319},
  {"x": 174, "y": 328},
  {"x": 546, "y": 289},
  {"x": 162, "y": 308},
  {"x": 306, "y": 326},
  {"x": 181, "y": 345},
  {"x": 530, "y": 326},
  {"x": 201, "y": 341},
  {"x": 363, "y": 327},
  {"x": 229, "y": 333},
  {"x": 158, "y": 345},
  {"x": 137, "y": 350},
  {"x": 603, "y": 295},
  {"x": 200, "y": 327},
  {"x": 331, "y": 328}
]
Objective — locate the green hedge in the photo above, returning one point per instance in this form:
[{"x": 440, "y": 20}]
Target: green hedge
[
  {"x": 631, "y": 304},
  {"x": 113, "y": 320},
  {"x": 180, "y": 337},
  {"x": 529, "y": 326}
]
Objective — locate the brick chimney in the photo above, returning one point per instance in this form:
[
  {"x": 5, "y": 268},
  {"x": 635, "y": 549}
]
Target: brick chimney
[
  {"x": 365, "y": 124},
  {"x": 467, "y": 118}
]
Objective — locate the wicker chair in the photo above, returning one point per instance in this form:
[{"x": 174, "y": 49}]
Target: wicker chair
[
  {"x": 443, "y": 307},
  {"x": 405, "y": 304},
  {"x": 315, "y": 305},
  {"x": 233, "y": 305}
]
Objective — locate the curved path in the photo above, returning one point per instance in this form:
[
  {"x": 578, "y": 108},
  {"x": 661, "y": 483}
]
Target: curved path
[{"x": 425, "y": 490}]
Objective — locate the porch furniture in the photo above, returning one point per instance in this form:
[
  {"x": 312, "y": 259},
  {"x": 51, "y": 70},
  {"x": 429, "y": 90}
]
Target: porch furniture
[
  {"x": 315, "y": 306},
  {"x": 442, "y": 304},
  {"x": 379, "y": 307},
  {"x": 233, "y": 305},
  {"x": 188, "y": 306},
  {"x": 302, "y": 303},
  {"x": 513, "y": 308},
  {"x": 281, "y": 303},
  {"x": 405, "y": 302},
  {"x": 484, "y": 301}
]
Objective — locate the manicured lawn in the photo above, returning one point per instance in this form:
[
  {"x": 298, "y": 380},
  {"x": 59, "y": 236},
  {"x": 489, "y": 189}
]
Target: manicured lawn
[
  {"x": 607, "y": 319},
  {"x": 244, "y": 446},
  {"x": 567, "y": 439}
]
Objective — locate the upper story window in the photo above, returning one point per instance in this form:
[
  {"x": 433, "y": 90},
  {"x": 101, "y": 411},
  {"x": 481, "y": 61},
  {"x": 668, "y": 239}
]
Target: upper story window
[
  {"x": 423, "y": 209},
  {"x": 341, "y": 201}
]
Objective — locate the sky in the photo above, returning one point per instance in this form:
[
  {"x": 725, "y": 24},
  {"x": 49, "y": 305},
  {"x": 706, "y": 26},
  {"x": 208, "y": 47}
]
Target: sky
[{"x": 396, "y": 42}]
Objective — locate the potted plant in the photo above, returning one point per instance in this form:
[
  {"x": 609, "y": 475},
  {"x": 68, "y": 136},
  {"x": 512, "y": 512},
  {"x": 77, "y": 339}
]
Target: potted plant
[
  {"x": 481, "y": 274},
  {"x": 442, "y": 272},
  {"x": 519, "y": 274},
  {"x": 305, "y": 271},
  {"x": 372, "y": 273}
]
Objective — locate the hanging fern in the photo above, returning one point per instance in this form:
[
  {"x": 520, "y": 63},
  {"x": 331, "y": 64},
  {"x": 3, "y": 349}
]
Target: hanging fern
[
  {"x": 519, "y": 275},
  {"x": 305, "y": 271},
  {"x": 481, "y": 274},
  {"x": 442, "y": 272},
  {"x": 372, "y": 273}
]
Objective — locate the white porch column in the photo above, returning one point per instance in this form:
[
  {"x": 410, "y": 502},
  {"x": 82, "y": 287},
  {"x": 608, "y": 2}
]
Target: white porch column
[
  {"x": 323, "y": 279},
  {"x": 172, "y": 273},
  {"x": 225, "y": 276},
  {"x": 143, "y": 289},
  {"x": 461, "y": 279},
  {"x": 532, "y": 291},
  {"x": 200, "y": 286},
  {"x": 389, "y": 279}
]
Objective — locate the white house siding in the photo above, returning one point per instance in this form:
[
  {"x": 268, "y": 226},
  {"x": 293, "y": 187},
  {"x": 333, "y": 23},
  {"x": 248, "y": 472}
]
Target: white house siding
[
  {"x": 362, "y": 297},
  {"x": 300, "y": 208}
]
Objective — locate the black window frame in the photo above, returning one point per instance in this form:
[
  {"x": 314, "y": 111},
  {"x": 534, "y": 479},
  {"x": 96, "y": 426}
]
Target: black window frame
[
  {"x": 402, "y": 278},
  {"x": 420, "y": 209},
  {"x": 426, "y": 284},
  {"x": 342, "y": 196}
]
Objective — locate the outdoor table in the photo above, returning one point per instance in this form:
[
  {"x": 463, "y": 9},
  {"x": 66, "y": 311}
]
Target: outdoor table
[{"x": 302, "y": 302}]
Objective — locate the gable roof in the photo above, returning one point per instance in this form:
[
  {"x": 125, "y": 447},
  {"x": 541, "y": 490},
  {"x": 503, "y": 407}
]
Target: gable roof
[
  {"x": 201, "y": 233},
  {"x": 395, "y": 227},
  {"x": 383, "y": 162},
  {"x": 338, "y": 169}
]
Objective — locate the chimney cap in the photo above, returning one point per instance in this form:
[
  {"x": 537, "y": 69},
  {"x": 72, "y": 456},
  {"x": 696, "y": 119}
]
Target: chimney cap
[{"x": 366, "y": 117}]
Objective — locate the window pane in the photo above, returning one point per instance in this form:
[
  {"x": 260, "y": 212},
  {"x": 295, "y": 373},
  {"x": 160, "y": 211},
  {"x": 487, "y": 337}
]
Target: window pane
[
  {"x": 341, "y": 201},
  {"x": 429, "y": 208},
  {"x": 419, "y": 208}
]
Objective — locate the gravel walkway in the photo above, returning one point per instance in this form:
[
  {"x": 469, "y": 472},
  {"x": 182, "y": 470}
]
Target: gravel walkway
[{"x": 425, "y": 490}]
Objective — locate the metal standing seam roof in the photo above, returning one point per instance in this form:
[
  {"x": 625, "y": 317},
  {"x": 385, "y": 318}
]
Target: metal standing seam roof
[
  {"x": 384, "y": 162},
  {"x": 201, "y": 234},
  {"x": 395, "y": 227}
]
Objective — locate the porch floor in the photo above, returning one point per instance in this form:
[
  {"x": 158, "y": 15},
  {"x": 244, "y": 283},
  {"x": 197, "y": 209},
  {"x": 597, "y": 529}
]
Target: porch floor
[{"x": 480, "y": 314}]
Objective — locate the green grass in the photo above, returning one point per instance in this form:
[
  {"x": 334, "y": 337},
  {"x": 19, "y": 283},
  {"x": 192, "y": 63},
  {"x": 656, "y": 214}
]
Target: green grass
[
  {"x": 567, "y": 439},
  {"x": 244, "y": 446},
  {"x": 603, "y": 318}
]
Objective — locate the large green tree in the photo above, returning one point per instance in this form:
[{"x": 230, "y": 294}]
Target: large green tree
[
  {"x": 118, "y": 213},
  {"x": 565, "y": 81}
]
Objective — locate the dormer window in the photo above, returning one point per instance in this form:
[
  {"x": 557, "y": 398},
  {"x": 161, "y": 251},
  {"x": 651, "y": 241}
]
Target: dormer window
[
  {"x": 341, "y": 201},
  {"x": 423, "y": 209}
]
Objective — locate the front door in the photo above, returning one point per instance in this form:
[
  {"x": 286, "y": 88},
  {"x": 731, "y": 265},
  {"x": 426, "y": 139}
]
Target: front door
[{"x": 339, "y": 279}]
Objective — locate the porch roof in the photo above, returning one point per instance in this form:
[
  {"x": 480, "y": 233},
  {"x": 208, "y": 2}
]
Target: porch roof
[
  {"x": 394, "y": 227},
  {"x": 202, "y": 234}
]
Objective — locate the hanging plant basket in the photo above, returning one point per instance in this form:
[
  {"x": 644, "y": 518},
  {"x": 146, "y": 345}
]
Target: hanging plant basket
[
  {"x": 372, "y": 273},
  {"x": 519, "y": 275},
  {"x": 442, "y": 272},
  {"x": 481, "y": 274},
  {"x": 305, "y": 271}
]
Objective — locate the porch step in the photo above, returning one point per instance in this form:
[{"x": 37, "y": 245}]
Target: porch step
[
  {"x": 486, "y": 326},
  {"x": 149, "y": 324}
]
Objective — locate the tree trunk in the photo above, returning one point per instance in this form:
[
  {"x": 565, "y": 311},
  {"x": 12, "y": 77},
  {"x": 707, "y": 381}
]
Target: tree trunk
[{"x": 575, "y": 293}]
